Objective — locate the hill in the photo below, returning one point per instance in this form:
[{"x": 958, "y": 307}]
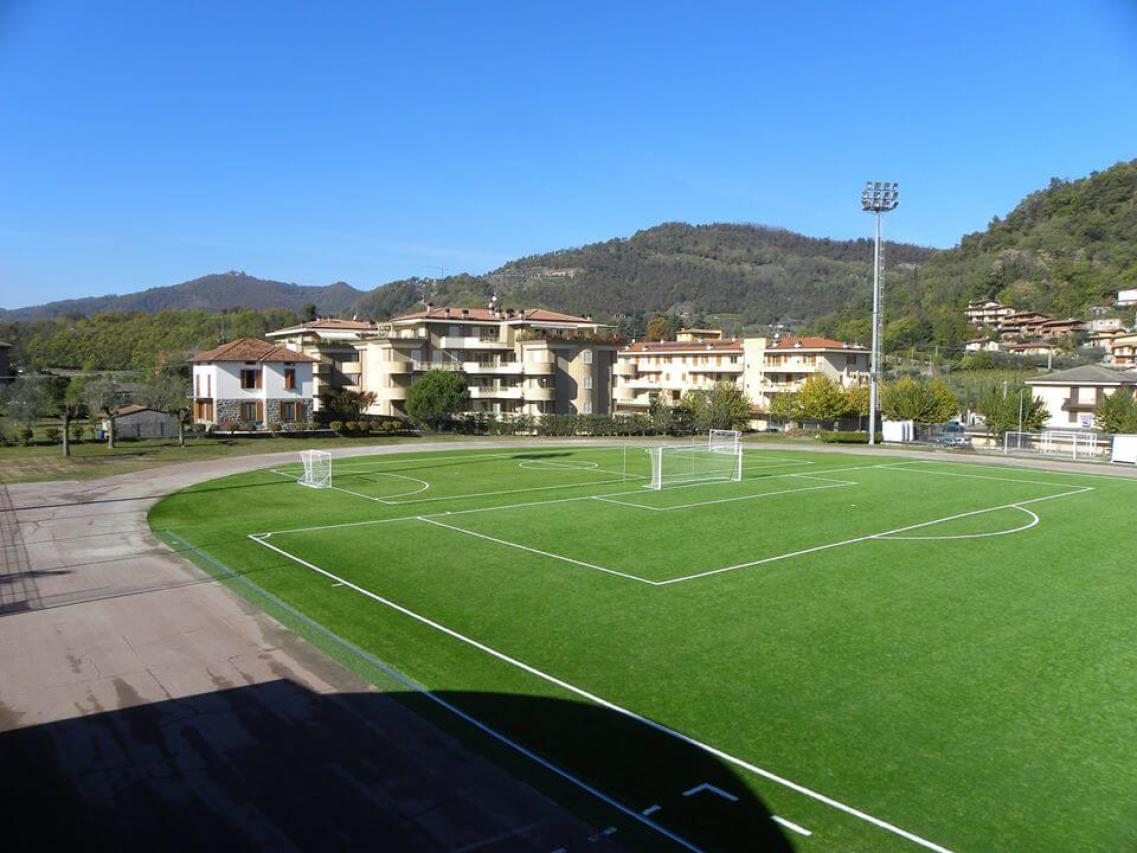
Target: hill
[
  {"x": 209, "y": 293},
  {"x": 1062, "y": 249},
  {"x": 763, "y": 275}
]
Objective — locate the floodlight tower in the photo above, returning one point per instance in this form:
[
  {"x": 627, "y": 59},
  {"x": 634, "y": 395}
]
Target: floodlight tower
[{"x": 878, "y": 198}]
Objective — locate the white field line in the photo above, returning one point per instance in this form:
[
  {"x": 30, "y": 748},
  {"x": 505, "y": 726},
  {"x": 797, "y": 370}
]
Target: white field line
[
  {"x": 1034, "y": 519},
  {"x": 831, "y": 484},
  {"x": 537, "y": 551},
  {"x": 882, "y": 535},
  {"x": 1048, "y": 484},
  {"x": 789, "y": 824},
  {"x": 527, "y": 504},
  {"x": 640, "y": 817},
  {"x": 423, "y": 484},
  {"x": 612, "y": 706}
]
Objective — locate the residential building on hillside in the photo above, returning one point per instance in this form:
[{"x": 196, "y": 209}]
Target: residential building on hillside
[
  {"x": 1060, "y": 328},
  {"x": 533, "y": 362},
  {"x": 251, "y": 383},
  {"x": 1072, "y": 396},
  {"x": 761, "y": 366},
  {"x": 1022, "y": 324},
  {"x": 1126, "y": 298},
  {"x": 982, "y": 345},
  {"x": 1106, "y": 324},
  {"x": 987, "y": 312},
  {"x": 1123, "y": 349},
  {"x": 331, "y": 343},
  {"x": 7, "y": 374}
]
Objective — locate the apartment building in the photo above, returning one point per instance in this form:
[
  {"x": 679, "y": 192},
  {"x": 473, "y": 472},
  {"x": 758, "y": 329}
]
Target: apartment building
[
  {"x": 331, "y": 344},
  {"x": 987, "y": 312},
  {"x": 762, "y": 366},
  {"x": 1123, "y": 349},
  {"x": 1072, "y": 396},
  {"x": 532, "y": 362},
  {"x": 252, "y": 383}
]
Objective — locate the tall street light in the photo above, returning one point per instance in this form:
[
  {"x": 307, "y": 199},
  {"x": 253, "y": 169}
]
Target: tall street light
[{"x": 878, "y": 198}]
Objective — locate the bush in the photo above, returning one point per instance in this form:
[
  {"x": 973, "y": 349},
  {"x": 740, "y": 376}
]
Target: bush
[
  {"x": 392, "y": 426},
  {"x": 336, "y": 426},
  {"x": 52, "y": 434},
  {"x": 851, "y": 437},
  {"x": 275, "y": 427},
  {"x": 351, "y": 426},
  {"x": 77, "y": 432},
  {"x": 228, "y": 425},
  {"x": 26, "y": 436}
]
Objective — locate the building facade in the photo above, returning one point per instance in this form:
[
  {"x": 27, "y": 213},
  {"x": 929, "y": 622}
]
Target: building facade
[
  {"x": 763, "y": 367},
  {"x": 7, "y": 374},
  {"x": 1072, "y": 396},
  {"x": 332, "y": 345},
  {"x": 250, "y": 384},
  {"x": 533, "y": 362},
  {"x": 987, "y": 312}
]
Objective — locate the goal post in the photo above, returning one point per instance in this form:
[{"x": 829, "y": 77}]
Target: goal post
[
  {"x": 672, "y": 466},
  {"x": 724, "y": 440},
  {"x": 317, "y": 469}
]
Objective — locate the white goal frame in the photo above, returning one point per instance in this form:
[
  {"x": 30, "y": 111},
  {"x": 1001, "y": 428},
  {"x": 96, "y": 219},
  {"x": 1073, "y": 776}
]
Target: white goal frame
[
  {"x": 693, "y": 464},
  {"x": 1075, "y": 444},
  {"x": 317, "y": 469},
  {"x": 724, "y": 440}
]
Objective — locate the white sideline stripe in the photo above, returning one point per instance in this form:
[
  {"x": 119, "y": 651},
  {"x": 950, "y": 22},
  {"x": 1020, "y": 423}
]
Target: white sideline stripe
[
  {"x": 619, "y": 709},
  {"x": 423, "y": 484},
  {"x": 651, "y": 810},
  {"x": 789, "y": 824},
  {"x": 978, "y": 476},
  {"x": 713, "y": 789},
  {"x": 1034, "y": 520},
  {"x": 882, "y": 535},
  {"x": 509, "y": 544},
  {"x": 832, "y": 484}
]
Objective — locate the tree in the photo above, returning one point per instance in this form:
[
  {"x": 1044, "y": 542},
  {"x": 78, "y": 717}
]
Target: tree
[
  {"x": 437, "y": 396},
  {"x": 727, "y": 406},
  {"x": 24, "y": 401},
  {"x": 857, "y": 399},
  {"x": 1117, "y": 413},
  {"x": 345, "y": 404},
  {"x": 308, "y": 313},
  {"x": 64, "y": 398},
  {"x": 909, "y": 399},
  {"x": 101, "y": 396},
  {"x": 1001, "y": 410},
  {"x": 169, "y": 391},
  {"x": 821, "y": 399},
  {"x": 785, "y": 407},
  {"x": 659, "y": 328}
]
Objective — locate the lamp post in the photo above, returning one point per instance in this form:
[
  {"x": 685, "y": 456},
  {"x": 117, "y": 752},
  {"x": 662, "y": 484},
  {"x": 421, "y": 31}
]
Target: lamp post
[{"x": 878, "y": 198}]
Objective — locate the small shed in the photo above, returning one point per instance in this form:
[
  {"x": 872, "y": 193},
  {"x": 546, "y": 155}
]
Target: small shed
[{"x": 141, "y": 422}]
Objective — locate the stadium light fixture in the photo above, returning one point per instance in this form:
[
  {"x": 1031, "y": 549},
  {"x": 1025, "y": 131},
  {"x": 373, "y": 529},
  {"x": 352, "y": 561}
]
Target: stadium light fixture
[{"x": 877, "y": 198}]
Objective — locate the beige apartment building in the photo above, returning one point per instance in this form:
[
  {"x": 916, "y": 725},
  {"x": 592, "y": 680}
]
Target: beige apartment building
[
  {"x": 331, "y": 344},
  {"x": 762, "y": 366},
  {"x": 533, "y": 362}
]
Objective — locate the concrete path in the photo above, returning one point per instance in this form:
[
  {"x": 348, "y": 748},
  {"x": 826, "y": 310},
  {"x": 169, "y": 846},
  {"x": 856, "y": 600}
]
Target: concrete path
[{"x": 143, "y": 705}]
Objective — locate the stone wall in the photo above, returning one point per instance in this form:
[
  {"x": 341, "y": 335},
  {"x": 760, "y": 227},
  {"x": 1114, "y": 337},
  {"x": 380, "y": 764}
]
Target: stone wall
[{"x": 224, "y": 410}]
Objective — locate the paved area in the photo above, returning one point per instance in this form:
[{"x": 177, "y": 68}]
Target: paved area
[{"x": 144, "y": 706}]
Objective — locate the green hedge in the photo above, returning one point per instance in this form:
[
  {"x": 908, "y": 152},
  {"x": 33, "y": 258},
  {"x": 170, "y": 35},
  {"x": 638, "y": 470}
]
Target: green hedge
[{"x": 858, "y": 437}]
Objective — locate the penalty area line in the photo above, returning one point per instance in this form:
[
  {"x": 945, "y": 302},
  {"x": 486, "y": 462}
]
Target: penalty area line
[{"x": 619, "y": 709}]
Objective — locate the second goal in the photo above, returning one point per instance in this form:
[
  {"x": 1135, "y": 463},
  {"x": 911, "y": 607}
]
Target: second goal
[{"x": 672, "y": 466}]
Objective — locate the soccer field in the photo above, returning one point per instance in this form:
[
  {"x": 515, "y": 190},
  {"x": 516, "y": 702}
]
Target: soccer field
[{"x": 838, "y": 652}]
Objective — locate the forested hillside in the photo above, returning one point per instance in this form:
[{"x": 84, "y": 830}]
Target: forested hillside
[
  {"x": 764, "y": 275},
  {"x": 115, "y": 341},
  {"x": 208, "y": 293},
  {"x": 1061, "y": 250}
]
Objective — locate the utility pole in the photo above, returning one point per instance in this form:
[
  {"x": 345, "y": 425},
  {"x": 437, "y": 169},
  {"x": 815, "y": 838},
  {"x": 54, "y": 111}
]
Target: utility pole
[{"x": 878, "y": 198}]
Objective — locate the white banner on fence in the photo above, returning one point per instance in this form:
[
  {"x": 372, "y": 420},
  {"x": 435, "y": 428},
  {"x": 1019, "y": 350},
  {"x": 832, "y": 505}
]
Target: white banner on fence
[
  {"x": 897, "y": 430},
  {"x": 1124, "y": 449}
]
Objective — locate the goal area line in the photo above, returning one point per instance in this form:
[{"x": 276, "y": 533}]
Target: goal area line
[{"x": 611, "y": 706}]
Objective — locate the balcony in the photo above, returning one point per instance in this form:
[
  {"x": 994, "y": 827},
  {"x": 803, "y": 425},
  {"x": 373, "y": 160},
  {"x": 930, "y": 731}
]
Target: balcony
[
  {"x": 450, "y": 342},
  {"x": 540, "y": 368},
  {"x": 351, "y": 367},
  {"x": 535, "y": 393},
  {"x": 1073, "y": 404},
  {"x": 479, "y": 392},
  {"x": 391, "y": 392},
  {"x": 401, "y": 366},
  {"x": 419, "y": 366},
  {"x": 625, "y": 368},
  {"x": 506, "y": 368},
  {"x": 715, "y": 368}
]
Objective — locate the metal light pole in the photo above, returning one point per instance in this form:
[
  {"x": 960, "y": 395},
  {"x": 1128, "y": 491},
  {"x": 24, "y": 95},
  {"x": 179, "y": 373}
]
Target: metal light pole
[{"x": 878, "y": 198}]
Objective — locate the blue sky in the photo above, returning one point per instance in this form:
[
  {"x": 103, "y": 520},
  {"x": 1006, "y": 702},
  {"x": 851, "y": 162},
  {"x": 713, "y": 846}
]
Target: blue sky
[{"x": 146, "y": 143}]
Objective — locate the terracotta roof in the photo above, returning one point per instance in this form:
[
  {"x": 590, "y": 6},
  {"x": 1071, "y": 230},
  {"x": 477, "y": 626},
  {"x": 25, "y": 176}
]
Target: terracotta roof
[
  {"x": 251, "y": 349},
  {"x": 131, "y": 409},
  {"x": 330, "y": 323},
  {"x": 536, "y": 315},
  {"x": 815, "y": 342},
  {"x": 684, "y": 346}
]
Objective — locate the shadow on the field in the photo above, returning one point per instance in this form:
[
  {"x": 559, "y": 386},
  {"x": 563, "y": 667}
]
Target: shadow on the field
[
  {"x": 276, "y": 765},
  {"x": 551, "y": 454}
]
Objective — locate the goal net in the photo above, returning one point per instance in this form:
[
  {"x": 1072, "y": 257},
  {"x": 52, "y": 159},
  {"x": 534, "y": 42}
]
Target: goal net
[
  {"x": 1076, "y": 445},
  {"x": 674, "y": 465},
  {"x": 724, "y": 440},
  {"x": 317, "y": 469}
]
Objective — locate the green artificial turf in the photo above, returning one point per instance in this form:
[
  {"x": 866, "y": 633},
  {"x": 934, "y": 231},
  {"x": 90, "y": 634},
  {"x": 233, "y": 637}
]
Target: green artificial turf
[{"x": 973, "y": 683}]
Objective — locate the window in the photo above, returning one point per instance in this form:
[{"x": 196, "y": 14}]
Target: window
[
  {"x": 209, "y": 385},
  {"x": 250, "y": 378},
  {"x": 588, "y": 407},
  {"x": 290, "y": 378},
  {"x": 203, "y": 411},
  {"x": 288, "y": 412},
  {"x": 197, "y": 386},
  {"x": 587, "y": 356},
  {"x": 251, "y": 412},
  {"x": 588, "y": 382}
]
